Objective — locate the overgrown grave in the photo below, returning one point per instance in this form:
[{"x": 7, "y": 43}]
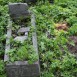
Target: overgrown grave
[{"x": 21, "y": 51}]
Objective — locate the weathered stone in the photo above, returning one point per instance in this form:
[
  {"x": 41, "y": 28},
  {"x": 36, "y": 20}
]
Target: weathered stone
[
  {"x": 24, "y": 29},
  {"x": 21, "y": 38},
  {"x": 22, "y": 69},
  {"x": 18, "y": 10},
  {"x": 8, "y": 36}
]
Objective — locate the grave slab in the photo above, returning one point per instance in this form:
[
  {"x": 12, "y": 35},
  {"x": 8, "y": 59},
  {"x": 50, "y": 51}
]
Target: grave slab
[
  {"x": 24, "y": 29},
  {"x": 21, "y": 38},
  {"x": 18, "y": 10}
]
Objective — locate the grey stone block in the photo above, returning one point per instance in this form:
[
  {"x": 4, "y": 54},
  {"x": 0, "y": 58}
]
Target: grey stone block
[
  {"x": 22, "y": 69},
  {"x": 24, "y": 29},
  {"x": 21, "y": 38},
  {"x": 17, "y": 10}
]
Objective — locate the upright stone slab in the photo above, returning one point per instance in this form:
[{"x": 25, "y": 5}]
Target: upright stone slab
[
  {"x": 18, "y": 10},
  {"x": 21, "y": 68}
]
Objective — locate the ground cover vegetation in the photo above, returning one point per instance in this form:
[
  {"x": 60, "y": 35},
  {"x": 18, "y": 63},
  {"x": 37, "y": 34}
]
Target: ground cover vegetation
[{"x": 55, "y": 24}]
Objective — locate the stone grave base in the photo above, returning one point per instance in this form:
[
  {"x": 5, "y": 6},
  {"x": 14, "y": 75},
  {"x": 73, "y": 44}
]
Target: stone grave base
[{"x": 22, "y": 69}]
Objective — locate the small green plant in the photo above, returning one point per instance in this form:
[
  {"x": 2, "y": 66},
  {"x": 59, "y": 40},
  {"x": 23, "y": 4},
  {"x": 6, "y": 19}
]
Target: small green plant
[
  {"x": 73, "y": 29},
  {"x": 22, "y": 52},
  {"x": 2, "y": 69},
  {"x": 55, "y": 58}
]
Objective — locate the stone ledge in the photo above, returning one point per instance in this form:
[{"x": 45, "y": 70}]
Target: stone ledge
[{"x": 22, "y": 69}]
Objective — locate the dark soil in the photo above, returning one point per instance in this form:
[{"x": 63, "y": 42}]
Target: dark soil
[{"x": 73, "y": 49}]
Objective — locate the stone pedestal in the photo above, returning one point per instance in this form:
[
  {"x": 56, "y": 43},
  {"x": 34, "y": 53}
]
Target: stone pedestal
[{"x": 22, "y": 69}]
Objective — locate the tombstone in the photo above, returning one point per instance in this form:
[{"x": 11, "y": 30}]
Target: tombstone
[
  {"x": 18, "y": 11},
  {"x": 21, "y": 68}
]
